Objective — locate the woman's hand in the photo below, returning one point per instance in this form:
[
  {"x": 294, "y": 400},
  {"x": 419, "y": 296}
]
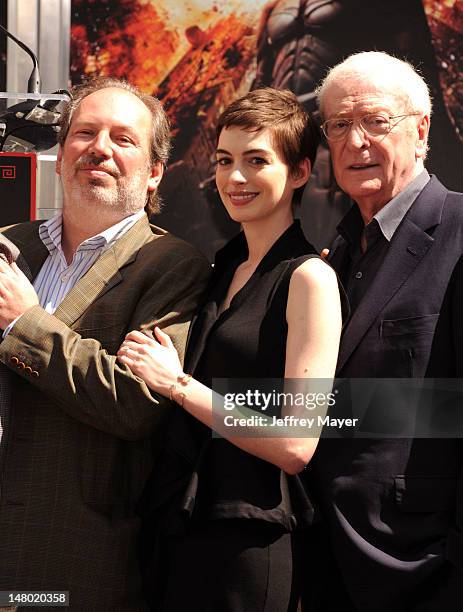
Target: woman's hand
[{"x": 157, "y": 363}]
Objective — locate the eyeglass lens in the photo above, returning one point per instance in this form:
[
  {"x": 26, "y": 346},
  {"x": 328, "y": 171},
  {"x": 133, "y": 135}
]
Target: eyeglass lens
[{"x": 375, "y": 124}]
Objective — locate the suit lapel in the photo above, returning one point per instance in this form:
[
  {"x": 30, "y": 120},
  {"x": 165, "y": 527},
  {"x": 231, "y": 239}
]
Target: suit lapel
[
  {"x": 105, "y": 273},
  {"x": 409, "y": 245},
  {"x": 36, "y": 255},
  {"x": 24, "y": 267}
]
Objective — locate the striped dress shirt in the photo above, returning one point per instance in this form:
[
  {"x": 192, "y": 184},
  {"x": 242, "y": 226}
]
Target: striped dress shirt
[{"x": 56, "y": 278}]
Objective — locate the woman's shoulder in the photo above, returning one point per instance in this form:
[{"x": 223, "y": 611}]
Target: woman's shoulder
[
  {"x": 312, "y": 268},
  {"x": 313, "y": 275}
]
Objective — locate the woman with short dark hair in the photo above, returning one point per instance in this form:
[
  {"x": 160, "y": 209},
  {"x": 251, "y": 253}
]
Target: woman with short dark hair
[{"x": 272, "y": 312}]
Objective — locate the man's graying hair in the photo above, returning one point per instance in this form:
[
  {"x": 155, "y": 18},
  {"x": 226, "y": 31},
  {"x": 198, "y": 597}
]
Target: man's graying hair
[
  {"x": 160, "y": 133},
  {"x": 399, "y": 76}
]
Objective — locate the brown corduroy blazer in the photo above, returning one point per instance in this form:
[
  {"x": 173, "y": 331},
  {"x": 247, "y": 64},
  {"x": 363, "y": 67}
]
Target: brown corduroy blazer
[{"x": 84, "y": 430}]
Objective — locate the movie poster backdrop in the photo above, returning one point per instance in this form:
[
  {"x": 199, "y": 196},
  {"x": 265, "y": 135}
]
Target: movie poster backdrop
[{"x": 199, "y": 55}]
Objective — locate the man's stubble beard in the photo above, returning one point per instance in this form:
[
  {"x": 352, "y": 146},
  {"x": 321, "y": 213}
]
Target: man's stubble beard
[{"x": 126, "y": 196}]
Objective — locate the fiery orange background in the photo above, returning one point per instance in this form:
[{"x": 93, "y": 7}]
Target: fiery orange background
[
  {"x": 179, "y": 51},
  {"x": 182, "y": 51}
]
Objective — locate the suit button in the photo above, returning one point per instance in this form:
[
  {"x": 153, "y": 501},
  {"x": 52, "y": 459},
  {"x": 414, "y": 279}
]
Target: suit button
[
  {"x": 14, "y": 360},
  {"x": 21, "y": 365},
  {"x": 359, "y": 275},
  {"x": 35, "y": 374},
  {"x": 28, "y": 370}
]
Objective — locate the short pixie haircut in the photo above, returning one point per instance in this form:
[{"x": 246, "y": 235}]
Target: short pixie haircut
[
  {"x": 160, "y": 143},
  {"x": 295, "y": 135}
]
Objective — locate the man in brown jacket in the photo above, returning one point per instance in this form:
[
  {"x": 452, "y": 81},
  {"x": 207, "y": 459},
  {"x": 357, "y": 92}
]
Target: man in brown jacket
[{"x": 83, "y": 430}]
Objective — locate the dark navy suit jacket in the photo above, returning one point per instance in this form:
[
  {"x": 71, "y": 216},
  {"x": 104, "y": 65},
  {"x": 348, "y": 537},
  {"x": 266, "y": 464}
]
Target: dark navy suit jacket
[{"x": 391, "y": 504}]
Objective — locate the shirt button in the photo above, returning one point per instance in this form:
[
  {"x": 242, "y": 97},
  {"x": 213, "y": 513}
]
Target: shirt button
[{"x": 358, "y": 275}]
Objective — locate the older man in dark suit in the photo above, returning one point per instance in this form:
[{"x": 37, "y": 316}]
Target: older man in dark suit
[
  {"x": 83, "y": 431},
  {"x": 390, "y": 504}
]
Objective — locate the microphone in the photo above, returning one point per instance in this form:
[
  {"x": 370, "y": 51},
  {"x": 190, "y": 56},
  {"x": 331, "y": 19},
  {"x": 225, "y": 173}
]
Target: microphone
[{"x": 34, "y": 83}]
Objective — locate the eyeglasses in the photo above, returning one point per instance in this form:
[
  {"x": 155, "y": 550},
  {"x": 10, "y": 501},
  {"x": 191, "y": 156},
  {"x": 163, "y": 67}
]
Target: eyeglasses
[{"x": 375, "y": 124}]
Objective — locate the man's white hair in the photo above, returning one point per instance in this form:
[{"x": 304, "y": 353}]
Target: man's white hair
[{"x": 385, "y": 71}]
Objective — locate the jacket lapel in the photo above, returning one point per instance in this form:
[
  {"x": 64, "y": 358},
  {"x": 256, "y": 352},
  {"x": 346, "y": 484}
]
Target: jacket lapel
[
  {"x": 409, "y": 245},
  {"x": 23, "y": 266},
  {"x": 105, "y": 273}
]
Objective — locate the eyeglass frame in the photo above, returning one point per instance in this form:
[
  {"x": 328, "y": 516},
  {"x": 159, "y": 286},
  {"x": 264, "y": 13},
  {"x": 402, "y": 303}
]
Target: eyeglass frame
[{"x": 360, "y": 119}]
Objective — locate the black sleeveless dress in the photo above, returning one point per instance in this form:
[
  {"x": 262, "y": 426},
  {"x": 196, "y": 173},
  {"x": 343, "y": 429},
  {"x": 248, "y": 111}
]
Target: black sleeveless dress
[{"x": 223, "y": 517}]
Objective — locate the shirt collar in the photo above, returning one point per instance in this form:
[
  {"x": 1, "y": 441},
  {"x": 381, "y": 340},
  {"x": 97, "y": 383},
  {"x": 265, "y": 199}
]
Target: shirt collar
[
  {"x": 389, "y": 217},
  {"x": 50, "y": 232}
]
